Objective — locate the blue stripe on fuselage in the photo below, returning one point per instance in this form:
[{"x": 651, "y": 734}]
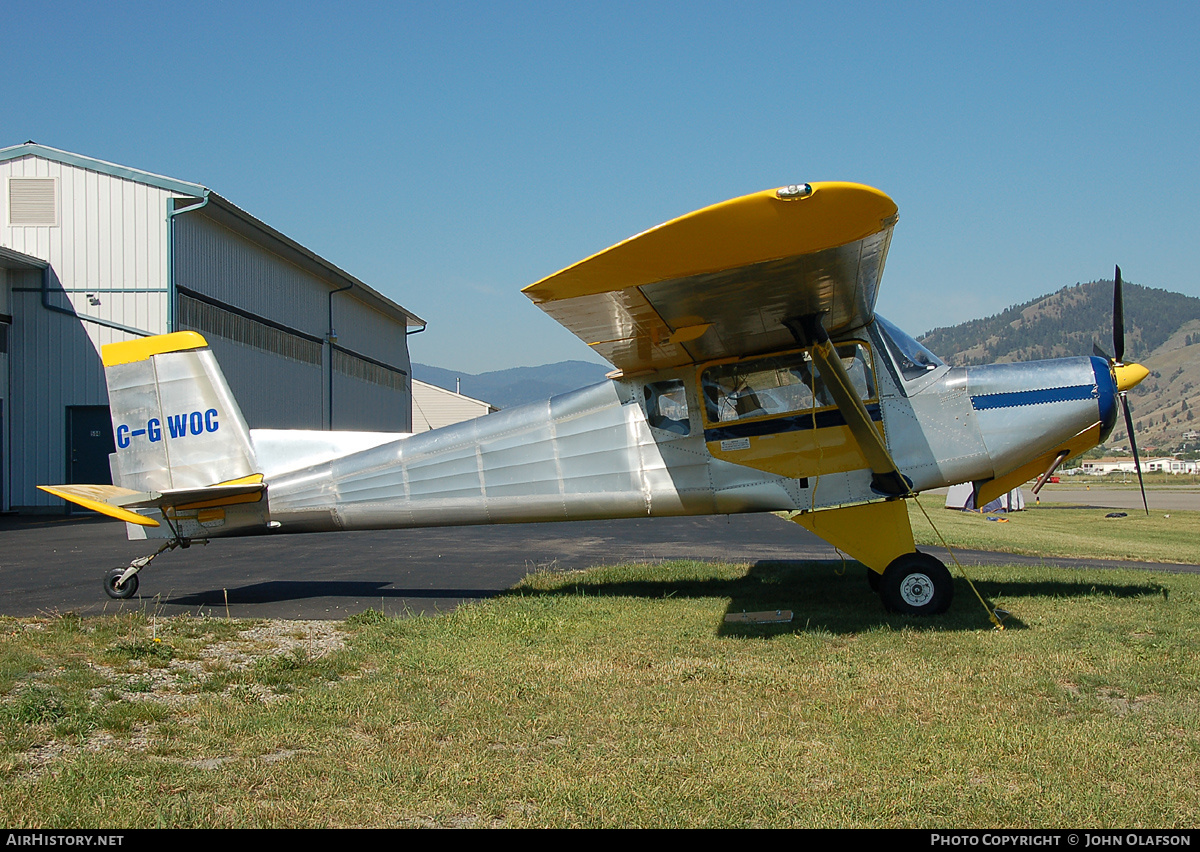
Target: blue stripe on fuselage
[{"x": 1074, "y": 393}]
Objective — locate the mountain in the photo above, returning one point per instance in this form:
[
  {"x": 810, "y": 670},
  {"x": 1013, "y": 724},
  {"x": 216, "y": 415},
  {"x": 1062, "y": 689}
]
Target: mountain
[
  {"x": 1067, "y": 323},
  {"x": 1162, "y": 332},
  {"x": 516, "y": 386}
]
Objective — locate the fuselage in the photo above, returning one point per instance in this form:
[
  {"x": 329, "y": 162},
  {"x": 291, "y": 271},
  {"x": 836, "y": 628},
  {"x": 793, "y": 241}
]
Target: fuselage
[{"x": 745, "y": 435}]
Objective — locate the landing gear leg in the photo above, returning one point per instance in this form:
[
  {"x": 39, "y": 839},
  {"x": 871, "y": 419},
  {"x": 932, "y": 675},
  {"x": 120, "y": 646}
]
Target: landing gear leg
[{"x": 122, "y": 583}]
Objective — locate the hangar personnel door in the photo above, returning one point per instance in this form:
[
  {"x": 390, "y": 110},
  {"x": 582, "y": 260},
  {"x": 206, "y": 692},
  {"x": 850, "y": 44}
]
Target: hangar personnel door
[{"x": 89, "y": 442}]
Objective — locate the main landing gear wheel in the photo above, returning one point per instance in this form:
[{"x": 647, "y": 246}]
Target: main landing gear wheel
[
  {"x": 916, "y": 584},
  {"x": 125, "y": 590}
]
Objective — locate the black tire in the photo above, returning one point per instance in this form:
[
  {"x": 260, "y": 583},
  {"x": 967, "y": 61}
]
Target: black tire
[
  {"x": 874, "y": 578},
  {"x": 127, "y": 590},
  {"x": 916, "y": 584}
]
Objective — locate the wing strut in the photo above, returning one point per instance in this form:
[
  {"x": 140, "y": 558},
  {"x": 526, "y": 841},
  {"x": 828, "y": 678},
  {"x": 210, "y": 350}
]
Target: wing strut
[{"x": 809, "y": 331}]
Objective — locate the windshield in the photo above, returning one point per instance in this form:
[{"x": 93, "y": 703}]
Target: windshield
[{"x": 912, "y": 359}]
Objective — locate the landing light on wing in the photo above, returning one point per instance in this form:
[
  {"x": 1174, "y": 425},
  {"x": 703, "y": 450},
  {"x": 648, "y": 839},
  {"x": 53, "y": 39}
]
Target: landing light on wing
[{"x": 787, "y": 193}]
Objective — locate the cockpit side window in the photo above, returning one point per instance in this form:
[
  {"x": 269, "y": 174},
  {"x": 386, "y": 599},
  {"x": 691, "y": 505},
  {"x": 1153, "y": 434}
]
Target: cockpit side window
[
  {"x": 857, "y": 361},
  {"x": 911, "y": 358},
  {"x": 666, "y": 406},
  {"x": 780, "y": 384}
]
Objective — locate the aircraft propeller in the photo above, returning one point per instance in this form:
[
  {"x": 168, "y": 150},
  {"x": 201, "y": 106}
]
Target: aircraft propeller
[{"x": 1127, "y": 375}]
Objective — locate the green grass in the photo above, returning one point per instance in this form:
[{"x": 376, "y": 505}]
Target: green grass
[
  {"x": 620, "y": 697},
  {"x": 1049, "y": 530}
]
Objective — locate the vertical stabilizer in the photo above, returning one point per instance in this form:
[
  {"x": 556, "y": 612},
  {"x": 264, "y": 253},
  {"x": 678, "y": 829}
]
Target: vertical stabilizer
[{"x": 176, "y": 423}]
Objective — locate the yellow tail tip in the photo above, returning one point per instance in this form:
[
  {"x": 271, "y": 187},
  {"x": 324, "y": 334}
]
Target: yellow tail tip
[{"x": 129, "y": 351}]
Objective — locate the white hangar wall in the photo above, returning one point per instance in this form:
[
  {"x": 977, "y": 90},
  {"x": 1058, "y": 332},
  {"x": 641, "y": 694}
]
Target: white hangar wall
[
  {"x": 105, "y": 237},
  {"x": 435, "y": 407},
  {"x": 92, "y": 253},
  {"x": 278, "y": 329},
  {"x": 83, "y": 242}
]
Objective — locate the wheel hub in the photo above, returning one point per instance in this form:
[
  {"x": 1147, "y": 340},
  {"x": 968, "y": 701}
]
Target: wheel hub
[{"x": 916, "y": 590}]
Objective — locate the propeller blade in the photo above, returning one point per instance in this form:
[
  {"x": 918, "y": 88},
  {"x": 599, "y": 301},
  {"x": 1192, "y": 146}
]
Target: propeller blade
[
  {"x": 1100, "y": 353},
  {"x": 1118, "y": 320},
  {"x": 1133, "y": 446}
]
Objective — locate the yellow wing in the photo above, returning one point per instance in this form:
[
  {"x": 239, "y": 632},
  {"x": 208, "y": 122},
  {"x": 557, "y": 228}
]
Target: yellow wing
[{"x": 719, "y": 282}]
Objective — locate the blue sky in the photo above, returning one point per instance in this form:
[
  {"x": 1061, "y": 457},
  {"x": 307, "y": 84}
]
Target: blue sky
[{"x": 448, "y": 154}]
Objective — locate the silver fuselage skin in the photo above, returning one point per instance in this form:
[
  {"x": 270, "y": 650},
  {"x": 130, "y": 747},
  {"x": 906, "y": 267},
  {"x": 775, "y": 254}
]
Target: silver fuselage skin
[{"x": 591, "y": 453}]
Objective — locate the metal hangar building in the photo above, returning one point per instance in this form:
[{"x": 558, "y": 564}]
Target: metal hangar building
[{"x": 93, "y": 253}]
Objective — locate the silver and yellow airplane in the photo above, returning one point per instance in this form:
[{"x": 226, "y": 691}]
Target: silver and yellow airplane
[{"x": 752, "y": 375}]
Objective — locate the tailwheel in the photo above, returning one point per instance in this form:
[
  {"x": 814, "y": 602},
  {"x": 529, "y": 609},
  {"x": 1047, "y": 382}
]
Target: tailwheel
[
  {"x": 113, "y": 584},
  {"x": 916, "y": 584},
  {"x": 116, "y": 589}
]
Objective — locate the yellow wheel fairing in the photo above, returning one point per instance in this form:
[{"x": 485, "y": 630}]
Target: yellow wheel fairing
[{"x": 873, "y": 533}]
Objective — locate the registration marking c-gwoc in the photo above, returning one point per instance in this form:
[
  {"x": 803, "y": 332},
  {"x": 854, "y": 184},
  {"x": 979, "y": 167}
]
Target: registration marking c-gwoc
[{"x": 178, "y": 426}]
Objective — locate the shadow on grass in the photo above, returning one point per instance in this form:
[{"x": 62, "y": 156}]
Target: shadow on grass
[
  {"x": 823, "y": 597},
  {"x": 276, "y": 591}
]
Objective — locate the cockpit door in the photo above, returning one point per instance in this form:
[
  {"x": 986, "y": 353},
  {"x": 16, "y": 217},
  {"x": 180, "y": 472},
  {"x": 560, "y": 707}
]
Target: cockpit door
[{"x": 775, "y": 414}]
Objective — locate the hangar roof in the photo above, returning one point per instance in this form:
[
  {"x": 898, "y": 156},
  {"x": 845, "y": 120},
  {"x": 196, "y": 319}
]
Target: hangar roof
[{"x": 226, "y": 212}]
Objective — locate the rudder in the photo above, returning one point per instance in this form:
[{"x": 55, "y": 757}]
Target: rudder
[{"x": 176, "y": 423}]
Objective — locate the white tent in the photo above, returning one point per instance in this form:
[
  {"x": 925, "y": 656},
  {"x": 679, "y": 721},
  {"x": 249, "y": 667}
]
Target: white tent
[{"x": 962, "y": 497}]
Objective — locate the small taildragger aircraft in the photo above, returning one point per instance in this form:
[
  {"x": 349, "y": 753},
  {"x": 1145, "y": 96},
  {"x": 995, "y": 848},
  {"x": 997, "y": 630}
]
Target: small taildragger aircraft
[{"x": 752, "y": 375}]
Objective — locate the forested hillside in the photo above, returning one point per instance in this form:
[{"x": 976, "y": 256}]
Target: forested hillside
[
  {"x": 1067, "y": 323},
  {"x": 1162, "y": 332}
]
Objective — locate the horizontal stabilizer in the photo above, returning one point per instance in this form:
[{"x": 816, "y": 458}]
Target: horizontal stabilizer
[
  {"x": 105, "y": 499},
  {"x": 119, "y": 502}
]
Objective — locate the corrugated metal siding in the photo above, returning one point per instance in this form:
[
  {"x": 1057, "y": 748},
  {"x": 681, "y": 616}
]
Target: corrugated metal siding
[
  {"x": 112, "y": 236},
  {"x": 224, "y": 265},
  {"x": 372, "y": 372},
  {"x": 54, "y": 364},
  {"x": 364, "y": 330},
  {"x": 273, "y": 392},
  {"x": 364, "y": 406},
  {"x": 217, "y": 262},
  {"x": 210, "y": 319},
  {"x": 111, "y": 244}
]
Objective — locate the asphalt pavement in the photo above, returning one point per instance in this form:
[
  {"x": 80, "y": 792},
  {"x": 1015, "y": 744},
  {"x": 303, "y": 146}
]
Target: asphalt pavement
[
  {"x": 1168, "y": 499},
  {"x": 54, "y": 564}
]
